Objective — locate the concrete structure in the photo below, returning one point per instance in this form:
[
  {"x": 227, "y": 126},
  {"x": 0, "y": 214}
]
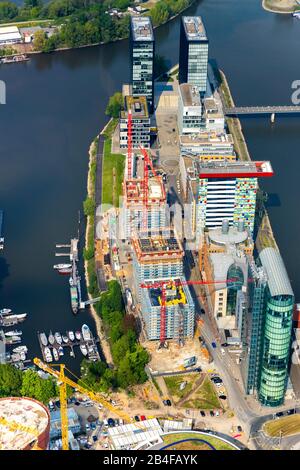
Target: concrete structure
[
  {"x": 131, "y": 436},
  {"x": 189, "y": 109},
  {"x": 24, "y": 423},
  {"x": 9, "y": 35},
  {"x": 170, "y": 425},
  {"x": 213, "y": 115},
  {"x": 140, "y": 122},
  {"x": 277, "y": 333},
  {"x": 73, "y": 423},
  {"x": 142, "y": 51},
  {"x": 207, "y": 143},
  {"x": 193, "y": 56},
  {"x": 225, "y": 190}
]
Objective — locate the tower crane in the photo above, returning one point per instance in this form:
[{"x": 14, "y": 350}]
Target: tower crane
[
  {"x": 163, "y": 285},
  {"x": 63, "y": 381}
]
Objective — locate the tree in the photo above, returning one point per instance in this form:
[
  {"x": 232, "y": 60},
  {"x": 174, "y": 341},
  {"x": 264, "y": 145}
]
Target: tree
[
  {"x": 10, "y": 381},
  {"x": 34, "y": 386},
  {"x": 40, "y": 40},
  {"x": 8, "y": 11},
  {"x": 159, "y": 13},
  {"x": 89, "y": 206},
  {"x": 115, "y": 105}
]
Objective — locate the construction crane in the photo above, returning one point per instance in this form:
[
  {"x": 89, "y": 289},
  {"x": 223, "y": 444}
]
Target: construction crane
[
  {"x": 129, "y": 145},
  {"x": 164, "y": 285},
  {"x": 63, "y": 381}
]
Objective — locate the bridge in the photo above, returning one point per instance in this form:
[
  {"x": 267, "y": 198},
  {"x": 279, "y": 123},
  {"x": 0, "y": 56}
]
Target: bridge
[{"x": 261, "y": 110}]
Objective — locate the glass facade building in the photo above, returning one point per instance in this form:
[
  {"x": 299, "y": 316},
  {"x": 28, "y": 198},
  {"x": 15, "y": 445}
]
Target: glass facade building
[
  {"x": 193, "y": 55},
  {"x": 142, "y": 51}
]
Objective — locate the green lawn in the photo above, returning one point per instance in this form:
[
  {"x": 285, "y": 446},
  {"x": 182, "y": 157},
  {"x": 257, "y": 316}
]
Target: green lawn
[
  {"x": 173, "y": 385},
  {"x": 204, "y": 398},
  {"x": 192, "y": 445},
  {"x": 111, "y": 161}
]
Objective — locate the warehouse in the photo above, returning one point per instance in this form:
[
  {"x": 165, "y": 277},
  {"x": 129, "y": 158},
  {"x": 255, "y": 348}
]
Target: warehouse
[
  {"x": 9, "y": 35},
  {"x": 130, "y": 435}
]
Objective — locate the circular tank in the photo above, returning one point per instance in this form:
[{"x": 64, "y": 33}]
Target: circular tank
[{"x": 24, "y": 423}]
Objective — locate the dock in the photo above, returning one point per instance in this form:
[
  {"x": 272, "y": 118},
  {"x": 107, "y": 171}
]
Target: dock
[
  {"x": 1, "y": 230},
  {"x": 91, "y": 345}
]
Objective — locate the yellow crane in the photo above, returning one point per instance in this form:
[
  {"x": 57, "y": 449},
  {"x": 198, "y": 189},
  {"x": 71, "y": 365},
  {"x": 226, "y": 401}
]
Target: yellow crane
[{"x": 63, "y": 381}]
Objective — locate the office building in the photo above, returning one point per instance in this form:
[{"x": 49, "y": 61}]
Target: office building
[
  {"x": 189, "y": 109},
  {"x": 142, "y": 51},
  {"x": 213, "y": 116},
  {"x": 206, "y": 143},
  {"x": 193, "y": 55},
  {"x": 140, "y": 122}
]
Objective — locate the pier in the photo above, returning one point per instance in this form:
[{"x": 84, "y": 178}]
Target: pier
[{"x": 1, "y": 230}]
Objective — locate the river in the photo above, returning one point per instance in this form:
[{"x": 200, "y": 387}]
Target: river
[{"x": 55, "y": 107}]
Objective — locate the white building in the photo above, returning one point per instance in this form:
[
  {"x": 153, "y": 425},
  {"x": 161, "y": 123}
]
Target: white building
[
  {"x": 213, "y": 115},
  {"x": 128, "y": 436},
  {"x": 207, "y": 143},
  {"x": 9, "y": 35},
  {"x": 189, "y": 109}
]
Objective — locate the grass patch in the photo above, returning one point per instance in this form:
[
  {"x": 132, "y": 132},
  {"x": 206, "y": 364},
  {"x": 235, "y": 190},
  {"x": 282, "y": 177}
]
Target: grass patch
[
  {"x": 173, "y": 385},
  {"x": 286, "y": 426},
  {"x": 192, "y": 445},
  {"x": 204, "y": 398},
  {"x": 112, "y": 161}
]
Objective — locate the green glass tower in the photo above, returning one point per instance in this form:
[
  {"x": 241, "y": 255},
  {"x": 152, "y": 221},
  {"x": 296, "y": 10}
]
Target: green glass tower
[{"x": 277, "y": 330}]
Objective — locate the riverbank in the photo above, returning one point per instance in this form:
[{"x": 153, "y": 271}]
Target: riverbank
[{"x": 280, "y": 6}]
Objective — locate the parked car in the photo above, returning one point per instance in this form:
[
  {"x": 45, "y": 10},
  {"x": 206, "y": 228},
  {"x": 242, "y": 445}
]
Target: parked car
[
  {"x": 222, "y": 397},
  {"x": 165, "y": 402},
  {"x": 143, "y": 418},
  {"x": 87, "y": 427},
  {"x": 111, "y": 422},
  {"x": 95, "y": 438},
  {"x": 169, "y": 403},
  {"x": 224, "y": 345},
  {"x": 202, "y": 413},
  {"x": 211, "y": 413},
  {"x": 239, "y": 428},
  {"x": 137, "y": 418},
  {"x": 214, "y": 345},
  {"x": 217, "y": 413}
]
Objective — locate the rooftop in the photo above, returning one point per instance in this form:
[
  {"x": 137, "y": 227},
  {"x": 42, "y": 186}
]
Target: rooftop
[
  {"x": 278, "y": 281},
  {"x": 189, "y": 94},
  {"x": 233, "y": 236},
  {"x": 138, "y": 106},
  {"x": 134, "y": 191},
  {"x": 161, "y": 245},
  {"x": 231, "y": 169},
  {"x": 194, "y": 28},
  {"x": 175, "y": 294},
  {"x": 129, "y": 435},
  {"x": 141, "y": 28},
  {"x": 31, "y": 417},
  {"x": 207, "y": 138}
]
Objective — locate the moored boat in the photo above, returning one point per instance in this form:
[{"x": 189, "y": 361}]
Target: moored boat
[
  {"x": 20, "y": 349},
  {"x": 78, "y": 335},
  {"x": 51, "y": 338},
  {"x": 65, "y": 339},
  {"x": 61, "y": 351},
  {"x": 58, "y": 337},
  {"x": 83, "y": 349},
  {"x": 13, "y": 333},
  {"x": 5, "y": 311},
  {"x": 48, "y": 355},
  {"x": 86, "y": 333},
  {"x": 62, "y": 266},
  {"x": 65, "y": 271},
  {"x": 55, "y": 354},
  {"x": 13, "y": 339},
  {"x": 71, "y": 335},
  {"x": 43, "y": 339}
]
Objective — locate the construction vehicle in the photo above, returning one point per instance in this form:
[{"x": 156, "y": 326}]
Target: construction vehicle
[{"x": 63, "y": 381}]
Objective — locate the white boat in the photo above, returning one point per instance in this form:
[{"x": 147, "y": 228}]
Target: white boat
[
  {"x": 62, "y": 266},
  {"x": 5, "y": 311},
  {"x": 78, "y": 335},
  {"x": 71, "y": 282},
  {"x": 48, "y": 355},
  {"x": 43, "y": 339},
  {"x": 58, "y": 337},
  {"x": 296, "y": 14},
  {"x": 13, "y": 333},
  {"x": 55, "y": 354},
  {"x": 61, "y": 351},
  {"x": 13, "y": 339},
  {"x": 65, "y": 339},
  {"x": 20, "y": 349},
  {"x": 19, "y": 317},
  {"x": 71, "y": 335},
  {"x": 83, "y": 349},
  {"x": 51, "y": 338},
  {"x": 23, "y": 356},
  {"x": 86, "y": 333}
]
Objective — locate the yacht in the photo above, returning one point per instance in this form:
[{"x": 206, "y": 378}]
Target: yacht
[
  {"x": 13, "y": 333},
  {"x": 48, "y": 355},
  {"x": 58, "y": 337},
  {"x": 83, "y": 349},
  {"x": 51, "y": 338},
  {"x": 86, "y": 333},
  {"x": 43, "y": 339},
  {"x": 71, "y": 335},
  {"x": 55, "y": 354}
]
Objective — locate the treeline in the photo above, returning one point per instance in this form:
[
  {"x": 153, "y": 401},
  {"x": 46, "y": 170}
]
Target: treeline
[
  {"x": 128, "y": 355},
  {"x": 15, "y": 383},
  {"x": 83, "y": 22}
]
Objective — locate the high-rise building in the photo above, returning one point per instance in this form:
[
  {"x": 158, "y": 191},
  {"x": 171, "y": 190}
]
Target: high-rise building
[
  {"x": 193, "y": 55},
  {"x": 142, "y": 50},
  {"x": 267, "y": 329},
  {"x": 140, "y": 122},
  {"x": 225, "y": 190}
]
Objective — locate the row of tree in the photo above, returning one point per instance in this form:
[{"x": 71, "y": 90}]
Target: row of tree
[
  {"x": 15, "y": 383},
  {"x": 130, "y": 358}
]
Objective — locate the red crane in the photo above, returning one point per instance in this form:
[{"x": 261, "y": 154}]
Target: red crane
[
  {"x": 129, "y": 144},
  {"x": 163, "y": 285}
]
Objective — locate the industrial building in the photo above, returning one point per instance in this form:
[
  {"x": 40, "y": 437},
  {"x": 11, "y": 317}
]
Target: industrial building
[
  {"x": 193, "y": 54},
  {"x": 9, "y": 35},
  {"x": 24, "y": 424},
  {"x": 224, "y": 190},
  {"x": 189, "y": 109},
  {"x": 142, "y": 51},
  {"x": 138, "y": 107},
  {"x": 267, "y": 329}
]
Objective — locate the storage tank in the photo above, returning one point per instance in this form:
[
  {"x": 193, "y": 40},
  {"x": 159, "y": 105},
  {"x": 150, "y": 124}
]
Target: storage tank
[{"x": 24, "y": 422}]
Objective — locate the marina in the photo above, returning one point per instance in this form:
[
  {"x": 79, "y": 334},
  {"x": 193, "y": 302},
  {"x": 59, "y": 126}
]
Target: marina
[{"x": 52, "y": 346}]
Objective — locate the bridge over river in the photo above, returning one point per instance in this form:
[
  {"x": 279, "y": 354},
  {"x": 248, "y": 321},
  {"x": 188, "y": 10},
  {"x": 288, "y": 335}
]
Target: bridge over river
[{"x": 261, "y": 110}]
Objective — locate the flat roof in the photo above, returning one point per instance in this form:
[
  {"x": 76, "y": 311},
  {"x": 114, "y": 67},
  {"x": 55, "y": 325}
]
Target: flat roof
[
  {"x": 138, "y": 106},
  {"x": 31, "y": 417},
  {"x": 141, "y": 28},
  {"x": 233, "y": 236},
  {"x": 8, "y": 29},
  {"x": 134, "y": 191},
  {"x": 231, "y": 169},
  {"x": 9, "y": 36},
  {"x": 207, "y": 138},
  {"x": 161, "y": 245},
  {"x": 131, "y": 434},
  {"x": 278, "y": 281},
  {"x": 194, "y": 28},
  {"x": 190, "y": 95}
]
